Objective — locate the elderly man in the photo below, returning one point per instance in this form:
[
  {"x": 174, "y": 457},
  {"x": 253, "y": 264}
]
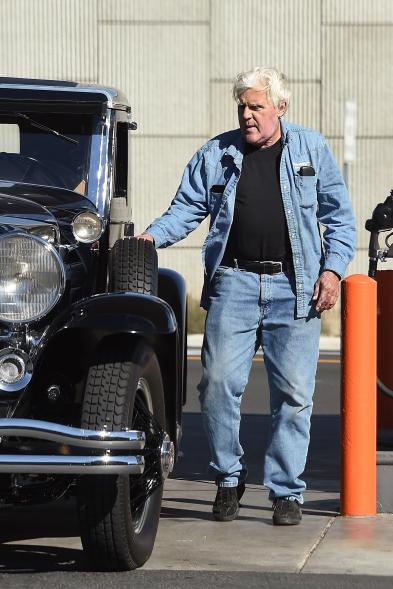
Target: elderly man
[{"x": 269, "y": 275}]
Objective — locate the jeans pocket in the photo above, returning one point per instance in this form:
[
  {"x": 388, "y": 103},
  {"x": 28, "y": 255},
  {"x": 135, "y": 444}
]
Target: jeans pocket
[{"x": 221, "y": 270}]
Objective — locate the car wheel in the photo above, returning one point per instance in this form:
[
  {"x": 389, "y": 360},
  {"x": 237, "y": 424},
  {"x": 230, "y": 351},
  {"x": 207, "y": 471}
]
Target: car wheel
[
  {"x": 133, "y": 266},
  {"x": 119, "y": 514}
]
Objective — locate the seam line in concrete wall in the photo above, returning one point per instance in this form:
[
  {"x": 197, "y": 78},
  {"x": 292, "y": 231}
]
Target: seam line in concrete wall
[
  {"x": 210, "y": 68},
  {"x": 154, "y": 22},
  {"x": 373, "y": 137},
  {"x": 355, "y": 24},
  {"x": 321, "y": 68},
  {"x": 85, "y": 80},
  {"x": 291, "y": 81},
  {"x": 98, "y": 45},
  {"x": 163, "y": 136}
]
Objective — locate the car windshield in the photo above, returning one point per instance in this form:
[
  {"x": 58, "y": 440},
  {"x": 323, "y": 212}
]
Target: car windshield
[{"x": 46, "y": 149}]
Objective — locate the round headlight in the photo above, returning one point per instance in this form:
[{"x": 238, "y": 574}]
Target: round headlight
[
  {"x": 31, "y": 278},
  {"x": 87, "y": 227}
]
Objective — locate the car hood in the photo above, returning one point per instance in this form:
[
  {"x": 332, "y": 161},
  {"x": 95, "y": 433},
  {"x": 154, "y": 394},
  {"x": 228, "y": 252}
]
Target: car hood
[{"x": 24, "y": 205}]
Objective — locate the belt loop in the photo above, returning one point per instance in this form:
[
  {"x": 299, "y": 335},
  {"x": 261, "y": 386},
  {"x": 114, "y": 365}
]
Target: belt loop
[{"x": 236, "y": 264}]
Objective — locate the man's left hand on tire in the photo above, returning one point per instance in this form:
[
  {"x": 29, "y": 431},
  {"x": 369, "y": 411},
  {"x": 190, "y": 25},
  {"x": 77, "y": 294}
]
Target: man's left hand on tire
[{"x": 146, "y": 237}]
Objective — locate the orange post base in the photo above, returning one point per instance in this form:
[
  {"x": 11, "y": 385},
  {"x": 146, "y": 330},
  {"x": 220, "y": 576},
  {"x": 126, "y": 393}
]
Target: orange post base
[{"x": 358, "y": 396}]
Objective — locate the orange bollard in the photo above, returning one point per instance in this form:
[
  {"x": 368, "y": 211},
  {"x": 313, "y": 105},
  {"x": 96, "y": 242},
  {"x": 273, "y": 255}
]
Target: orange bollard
[{"x": 358, "y": 396}]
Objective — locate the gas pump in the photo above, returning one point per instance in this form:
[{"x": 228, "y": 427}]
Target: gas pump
[
  {"x": 380, "y": 225},
  {"x": 380, "y": 249}
]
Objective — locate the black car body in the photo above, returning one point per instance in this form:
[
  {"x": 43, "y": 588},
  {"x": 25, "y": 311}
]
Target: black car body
[{"x": 92, "y": 333}]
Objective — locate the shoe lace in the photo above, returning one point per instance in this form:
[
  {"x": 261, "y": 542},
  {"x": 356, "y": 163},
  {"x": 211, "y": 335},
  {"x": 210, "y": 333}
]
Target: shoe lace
[{"x": 281, "y": 502}]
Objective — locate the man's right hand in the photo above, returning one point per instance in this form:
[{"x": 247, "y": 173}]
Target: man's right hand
[{"x": 145, "y": 236}]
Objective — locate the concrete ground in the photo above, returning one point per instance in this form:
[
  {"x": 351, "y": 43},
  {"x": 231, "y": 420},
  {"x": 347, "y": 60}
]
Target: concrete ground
[
  {"x": 324, "y": 543},
  {"x": 189, "y": 540}
]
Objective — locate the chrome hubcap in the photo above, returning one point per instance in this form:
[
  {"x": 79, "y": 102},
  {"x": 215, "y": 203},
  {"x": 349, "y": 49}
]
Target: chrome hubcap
[{"x": 167, "y": 456}]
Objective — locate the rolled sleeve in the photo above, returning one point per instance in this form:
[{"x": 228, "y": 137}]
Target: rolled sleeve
[{"x": 335, "y": 214}]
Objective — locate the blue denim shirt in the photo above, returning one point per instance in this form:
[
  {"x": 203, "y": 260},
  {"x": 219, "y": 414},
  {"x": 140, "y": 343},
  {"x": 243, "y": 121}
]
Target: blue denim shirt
[{"x": 309, "y": 201}]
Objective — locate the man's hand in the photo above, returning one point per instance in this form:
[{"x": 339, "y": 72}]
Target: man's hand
[
  {"x": 326, "y": 291},
  {"x": 145, "y": 236}
]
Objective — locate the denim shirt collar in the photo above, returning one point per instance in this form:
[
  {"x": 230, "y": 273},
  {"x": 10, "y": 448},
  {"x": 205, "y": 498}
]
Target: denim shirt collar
[
  {"x": 236, "y": 149},
  {"x": 285, "y": 131}
]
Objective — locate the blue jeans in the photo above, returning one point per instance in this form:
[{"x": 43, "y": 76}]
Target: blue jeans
[{"x": 248, "y": 310}]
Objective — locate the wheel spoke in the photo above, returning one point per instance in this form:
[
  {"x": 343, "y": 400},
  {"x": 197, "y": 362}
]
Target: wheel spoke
[{"x": 142, "y": 486}]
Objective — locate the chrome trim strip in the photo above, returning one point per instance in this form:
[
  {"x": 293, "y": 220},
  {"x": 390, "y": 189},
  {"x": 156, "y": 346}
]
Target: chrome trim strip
[
  {"x": 72, "y": 464},
  {"x": 73, "y": 436},
  {"x": 100, "y": 167}
]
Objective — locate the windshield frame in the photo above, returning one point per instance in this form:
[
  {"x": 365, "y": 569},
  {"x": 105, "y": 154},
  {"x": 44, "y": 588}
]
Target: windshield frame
[{"x": 100, "y": 175}]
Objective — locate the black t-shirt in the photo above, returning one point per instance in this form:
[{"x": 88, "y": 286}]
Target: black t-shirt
[{"x": 259, "y": 230}]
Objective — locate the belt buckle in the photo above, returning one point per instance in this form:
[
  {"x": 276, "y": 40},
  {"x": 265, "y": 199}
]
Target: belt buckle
[
  {"x": 273, "y": 264},
  {"x": 280, "y": 268}
]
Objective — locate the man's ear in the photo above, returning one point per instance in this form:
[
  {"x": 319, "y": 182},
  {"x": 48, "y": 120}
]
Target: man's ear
[{"x": 282, "y": 108}]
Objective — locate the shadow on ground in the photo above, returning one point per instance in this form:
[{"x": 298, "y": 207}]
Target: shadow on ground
[{"x": 30, "y": 558}]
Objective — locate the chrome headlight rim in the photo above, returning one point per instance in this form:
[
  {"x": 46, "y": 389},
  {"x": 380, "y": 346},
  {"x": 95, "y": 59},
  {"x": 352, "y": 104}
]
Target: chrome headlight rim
[
  {"x": 97, "y": 218},
  {"x": 28, "y": 369},
  {"x": 62, "y": 276}
]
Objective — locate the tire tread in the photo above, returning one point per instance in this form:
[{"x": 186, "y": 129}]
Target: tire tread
[
  {"x": 104, "y": 525},
  {"x": 133, "y": 267}
]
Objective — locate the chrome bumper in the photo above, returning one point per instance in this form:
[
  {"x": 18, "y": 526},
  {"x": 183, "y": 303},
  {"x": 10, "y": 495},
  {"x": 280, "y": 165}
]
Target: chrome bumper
[{"x": 98, "y": 441}]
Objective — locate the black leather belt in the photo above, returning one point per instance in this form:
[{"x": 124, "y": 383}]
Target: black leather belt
[{"x": 260, "y": 267}]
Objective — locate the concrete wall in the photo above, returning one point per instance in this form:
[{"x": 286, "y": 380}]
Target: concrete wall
[{"x": 175, "y": 59}]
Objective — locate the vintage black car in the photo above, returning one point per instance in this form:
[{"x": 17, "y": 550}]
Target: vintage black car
[{"x": 92, "y": 333}]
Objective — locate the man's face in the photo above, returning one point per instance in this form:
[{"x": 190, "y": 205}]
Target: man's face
[{"x": 259, "y": 118}]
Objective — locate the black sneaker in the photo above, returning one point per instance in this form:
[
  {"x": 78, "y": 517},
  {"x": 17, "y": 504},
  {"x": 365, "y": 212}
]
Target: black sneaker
[
  {"x": 240, "y": 491},
  {"x": 226, "y": 505},
  {"x": 287, "y": 512}
]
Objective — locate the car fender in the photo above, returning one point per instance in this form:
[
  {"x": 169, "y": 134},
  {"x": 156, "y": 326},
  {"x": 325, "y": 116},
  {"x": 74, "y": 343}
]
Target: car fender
[{"x": 111, "y": 313}]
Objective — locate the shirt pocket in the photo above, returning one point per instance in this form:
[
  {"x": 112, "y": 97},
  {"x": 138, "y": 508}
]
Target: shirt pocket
[
  {"x": 215, "y": 198},
  {"x": 307, "y": 188}
]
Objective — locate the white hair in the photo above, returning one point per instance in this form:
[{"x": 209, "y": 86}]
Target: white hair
[{"x": 269, "y": 79}]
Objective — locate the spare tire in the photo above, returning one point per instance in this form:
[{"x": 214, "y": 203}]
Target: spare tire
[{"x": 133, "y": 266}]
